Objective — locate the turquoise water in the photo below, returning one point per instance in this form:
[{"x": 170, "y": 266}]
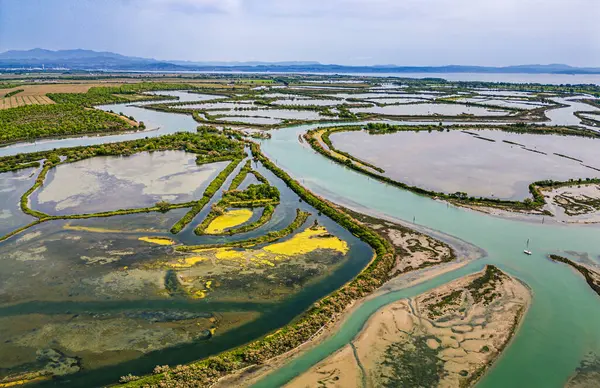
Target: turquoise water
[{"x": 562, "y": 323}]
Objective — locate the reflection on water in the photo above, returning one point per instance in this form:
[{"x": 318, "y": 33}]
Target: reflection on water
[
  {"x": 431, "y": 109},
  {"x": 12, "y": 186},
  {"x": 66, "y": 267},
  {"x": 565, "y": 116},
  {"x": 387, "y": 94},
  {"x": 277, "y": 114},
  {"x": 114, "y": 182},
  {"x": 388, "y": 101},
  {"x": 184, "y": 96},
  {"x": 505, "y": 103},
  {"x": 251, "y": 120},
  {"x": 305, "y": 102},
  {"x": 218, "y": 105},
  {"x": 80, "y": 295},
  {"x": 457, "y": 161}
]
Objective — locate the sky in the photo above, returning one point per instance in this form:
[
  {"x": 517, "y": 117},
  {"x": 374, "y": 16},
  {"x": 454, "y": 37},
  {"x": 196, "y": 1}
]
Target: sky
[{"x": 350, "y": 32}]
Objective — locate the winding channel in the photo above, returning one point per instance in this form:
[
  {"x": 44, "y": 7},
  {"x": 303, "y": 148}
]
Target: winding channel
[{"x": 562, "y": 324}]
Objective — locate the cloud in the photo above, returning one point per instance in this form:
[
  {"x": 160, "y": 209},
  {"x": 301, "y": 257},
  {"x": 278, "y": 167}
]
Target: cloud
[
  {"x": 192, "y": 6},
  {"x": 410, "y": 32}
]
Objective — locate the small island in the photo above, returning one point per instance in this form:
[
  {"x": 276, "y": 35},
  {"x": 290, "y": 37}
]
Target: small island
[{"x": 448, "y": 336}]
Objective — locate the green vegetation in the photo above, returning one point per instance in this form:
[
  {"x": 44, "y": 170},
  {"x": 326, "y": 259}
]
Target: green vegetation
[
  {"x": 253, "y": 196},
  {"x": 483, "y": 287},
  {"x": 10, "y": 94},
  {"x": 30, "y": 122},
  {"x": 327, "y": 140},
  {"x": 48, "y": 164},
  {"x": 116, "y": 94},
  {"x": 15, "y": 167},
  {"x": 452, "y": 299},
  {"x": 459, "y": 198},
  {"x": 384, "y": 128},
  {"x": 301, "y": 217},
  {"x": 73, "y": 113},
  {"x": 239, "y": 178},
  {"x": 206, "y": 145},
  {"x": 411, "y": 365},
  {"x": 207, "y": 371},
  {"x": 264, "y": 218},
  {"x": 591, "y": 277},
  {"x": 208, "y": 193},
  {"x": 209, "y": 147}
]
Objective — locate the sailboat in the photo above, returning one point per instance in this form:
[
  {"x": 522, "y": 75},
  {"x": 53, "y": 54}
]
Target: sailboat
[{"x": 527, "y": 251}]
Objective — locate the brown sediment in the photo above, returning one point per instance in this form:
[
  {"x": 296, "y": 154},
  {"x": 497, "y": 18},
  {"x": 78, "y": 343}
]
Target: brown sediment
[
  {"x": 445, "y": 337},
  {"x": 424, "y": 267},
  {"x": 574, "y": 203}
]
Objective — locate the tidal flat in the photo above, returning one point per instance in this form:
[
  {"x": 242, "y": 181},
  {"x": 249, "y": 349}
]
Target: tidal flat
[{"x": 445, "y": 337}]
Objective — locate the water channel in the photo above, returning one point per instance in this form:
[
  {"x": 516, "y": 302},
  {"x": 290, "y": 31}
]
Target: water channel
[{"x": 562, "y": 324}]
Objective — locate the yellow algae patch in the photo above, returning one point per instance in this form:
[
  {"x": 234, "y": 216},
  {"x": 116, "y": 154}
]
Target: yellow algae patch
[
  {"x": 187, "y": 262},
  {"x": 263, "y": 261},
  {"x": 91, "y": 229},
  {"x": 228, "y": 220},
  {"x": 228, "y": 254},
  {"x": 101, "y": 230},
  {"x": 157, "y": 240},
  {"x": 307, "y": 241},
  {"x": 15, "y": 383}
]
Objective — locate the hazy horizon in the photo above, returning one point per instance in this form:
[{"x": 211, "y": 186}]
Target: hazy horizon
[{"x": 348, "y": 32}]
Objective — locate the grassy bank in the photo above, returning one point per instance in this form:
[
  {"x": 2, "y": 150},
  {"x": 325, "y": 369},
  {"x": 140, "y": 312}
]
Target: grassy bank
[
  {"x": 536, "y": 203},
  {"x": 592, "y": 278},
  {"x": 323, "y": 312},
  {"x": 208, "y": 146}
]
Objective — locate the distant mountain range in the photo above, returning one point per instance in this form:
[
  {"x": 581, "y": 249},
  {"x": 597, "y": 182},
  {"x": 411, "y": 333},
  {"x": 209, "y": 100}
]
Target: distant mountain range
[{"x": 106, "y": 61}]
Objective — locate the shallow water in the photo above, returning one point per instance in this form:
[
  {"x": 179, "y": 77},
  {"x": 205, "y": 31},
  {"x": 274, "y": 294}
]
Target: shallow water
[
  {"x": 115, "y": 182},
  {"x": 561, "y": 325},
  {"x": 395, "y": 100},
  {"x": 456, "y": 161},
  {"x": 12, "y": 187},
  {"x": 218, "y": 105},
  {"x": 430, "y": 109},
  {"x": 503, "y": 93},
  {"x": 560, "y": 328},
  {"x": 276, "y": 114},
  {"x": 565, "y": 116},
  {"x": 305, "y": 102},
  {"x": 385, "y": 94},
  {"x": 184, "y": 96},
  {"x": 99, "y": 276},
  {"x": 505, "y": 103},
  {"x": 284, "y": 96},
  {"x": 251, "y": 120}
]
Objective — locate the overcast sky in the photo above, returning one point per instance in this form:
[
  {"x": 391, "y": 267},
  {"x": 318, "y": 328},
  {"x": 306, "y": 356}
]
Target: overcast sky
[{"x": 356, "y": 32}]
